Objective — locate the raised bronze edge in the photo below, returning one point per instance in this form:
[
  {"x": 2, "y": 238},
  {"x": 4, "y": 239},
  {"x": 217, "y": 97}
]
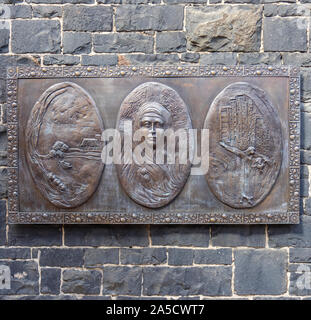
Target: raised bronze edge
[{"x": 157, "y": 71}]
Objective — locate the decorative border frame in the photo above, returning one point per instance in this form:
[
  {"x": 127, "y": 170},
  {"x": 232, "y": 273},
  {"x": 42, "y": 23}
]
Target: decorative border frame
[{"x": 156, "y": 71}]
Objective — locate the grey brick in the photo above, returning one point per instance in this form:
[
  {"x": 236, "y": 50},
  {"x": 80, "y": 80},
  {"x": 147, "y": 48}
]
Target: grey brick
[
  {"x": 304, "y": 187},
  {"x": 283, "y": 34},
  {"x": 299, "y": 284},
  {"x": 209, "y": 281},
  {"x": 180, "y": 257},
  {"x": 271, "y": 1},
  {"x": 122, "y": 280},
  {"x": 234, "y": 236},
  {"x": 171, "y": 42},
  {"x": 297, "y": 59},
  {"x": 46, "y": 11},
  {"x": 15, "y": 253},
  {"x": 284, "y": 10},
  {"x": 186, "y": 235},
  {"x": 307, "y": 209},
  {"x": 213, "y": 256},
  {"x": 99, "y": 60},
  {"x": 20, "y": 11},
  {"x": 184, "y": 1},
  {"x": 299, "y": 255},
  {"x": 190, "y": 57},
  {"x": 123, "y": 42},
  {"x": 61, "y": 1},
  {"x": 81, "y": 282},
  {"x": 4, "y": 40},
  {"x": 24, "y": 278},
  {"x": 243, "y": 1},
  {"x": 268, "y": 58},
  {"x": 77, "y": 42},
  {"x": 81, "y": 18},
  {"x": 3, "y": 145},
  {"x": 306, "y": 130},
  {"x": 99, "y": 257},
  {"x": 128, "y": 1},
  {"x": 61, "y": 257},
  {"x": 2, "y": 222},
  {"x": 3, "y": 183},
  {"x": 35, "y": 36},
  {"x": 61, "y": 60},
  {"x": 298, "y": 235},
  {"x": 305, "y": 157},
  {"x": 260, "y": 271},
  {"x": 227, "y": 58},
  {"x": 50, "y": 280},
  {"x": 305, "y": 85},
  {"x": 144, "y": 17},
  {"x": 35, "y": 235},
  {"x": 166, "y": 59},
  {"x": 106, "y": 235},
  {"x": 143, "y": 256}
]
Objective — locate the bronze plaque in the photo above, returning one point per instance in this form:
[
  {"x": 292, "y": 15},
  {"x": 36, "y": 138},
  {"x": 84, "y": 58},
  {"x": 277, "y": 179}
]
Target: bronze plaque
[{"x": 154, "y": 144}]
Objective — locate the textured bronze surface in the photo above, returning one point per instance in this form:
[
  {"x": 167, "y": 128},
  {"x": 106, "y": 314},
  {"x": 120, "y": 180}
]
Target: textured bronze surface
[
  {"x": 246, "y": 145},
  {"x": 45, "y": 183},
  {"x": 63, "y": 145},
  {"x": 153, "y": 106}
]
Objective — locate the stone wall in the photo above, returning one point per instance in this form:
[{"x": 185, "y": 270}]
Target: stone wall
[{"x": 168, "y": 261}]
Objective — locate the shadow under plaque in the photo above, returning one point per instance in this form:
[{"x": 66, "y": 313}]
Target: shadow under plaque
[{"x": 56, "y": 117}]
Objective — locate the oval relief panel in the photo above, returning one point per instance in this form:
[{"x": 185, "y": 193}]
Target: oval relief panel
[
  {"x": 63, "y": 146},
  {"x": 245, "y": 145}
]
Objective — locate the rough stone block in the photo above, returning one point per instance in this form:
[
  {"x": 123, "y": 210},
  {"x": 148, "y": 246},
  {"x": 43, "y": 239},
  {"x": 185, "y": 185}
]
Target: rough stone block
[
  {"x": 107, "y": 235},
  {"x": 3, "y": 144},
  {"x": 61, "y": 257},
  {"x": 50, "y": 280},
  {"x": 235, "y": 236},
  {"x": 3, "y": 183},
  {"x": 143, "y": 256},
  {"x": 213, "y": 256},
  {"x": 123, "y": 42},
  {"x": 224, "y": 28},
  {"x": 180, "y": 235},
  {"x": 4, "y": 40},
  {"x": 297, "y": 59},
  {"x": 171, "y": 42},
  {"x": 46, "y": 11},
  {"x": 140, "y": 18},
  {"x": 268, "y": 58},
  {"x": 2, "y": 222},
  {"x": 208, "y": 281},
  {"x": 284, "y": 34},
  {"x": 298, "y": 235},
  {"x": 82, "y": 18},
  {"x": 20, "y": 11},
  {"x": 180, "y": 257},
  {"x": 299, "y": 284},
  {"x": 284, "y": 10},
  {"x": 77, "y": 42},
  {"x": 81, "y": 282},
  {"x": 35, "y": 235},
  {"x": 15, "y": 253},
  {"x": 223, "y": 58},
  {"x": 61, "y": 60},
  {"x": 35, "y": 36},
  {"x": 163, "y": 59},
  {"x": 24, "y": 278},
  {"x": 299, "y": 255},
  {"x": 99, "y": 60},
  {"x": 122, "y": 280},
  {"x": 99, "y": 257},
  {"x": 190, "y": 57},
  {"x": 260, "y": 272}
]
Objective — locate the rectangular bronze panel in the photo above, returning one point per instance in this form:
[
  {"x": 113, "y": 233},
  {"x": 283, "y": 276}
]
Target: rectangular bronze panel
[{"x": 254, "y": 173}]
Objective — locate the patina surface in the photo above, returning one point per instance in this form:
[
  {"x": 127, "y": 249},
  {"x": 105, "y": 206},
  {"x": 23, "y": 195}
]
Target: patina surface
[{"x": 45, "y": 183}]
